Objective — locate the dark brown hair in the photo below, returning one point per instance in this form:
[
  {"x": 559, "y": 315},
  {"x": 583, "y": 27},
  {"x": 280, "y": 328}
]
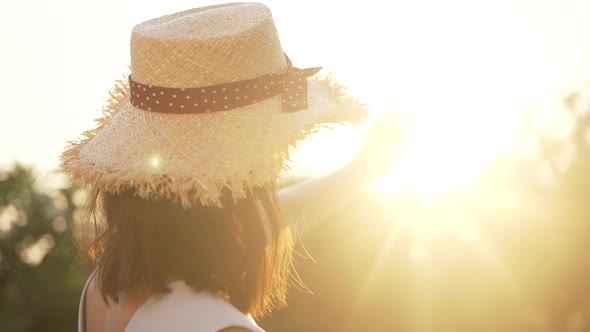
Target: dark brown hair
[{"x": 242, "y": 251}]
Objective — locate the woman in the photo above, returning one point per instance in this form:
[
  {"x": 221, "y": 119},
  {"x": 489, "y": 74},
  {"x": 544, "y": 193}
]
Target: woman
[{"x": 187, "y": 232}]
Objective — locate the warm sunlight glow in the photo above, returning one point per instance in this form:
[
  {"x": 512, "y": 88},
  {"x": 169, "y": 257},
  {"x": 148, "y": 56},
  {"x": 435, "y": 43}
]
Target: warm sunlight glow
[
  {"x": 481, "y": 225},
  {"x": 475, "y": 85}
]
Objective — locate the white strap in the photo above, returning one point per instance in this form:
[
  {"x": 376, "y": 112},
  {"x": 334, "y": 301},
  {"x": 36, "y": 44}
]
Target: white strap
[{"x": 82, "y": 306}]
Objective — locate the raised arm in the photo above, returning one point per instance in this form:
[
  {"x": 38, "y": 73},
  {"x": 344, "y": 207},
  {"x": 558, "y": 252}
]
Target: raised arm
[{"x": 315, "y": 198}]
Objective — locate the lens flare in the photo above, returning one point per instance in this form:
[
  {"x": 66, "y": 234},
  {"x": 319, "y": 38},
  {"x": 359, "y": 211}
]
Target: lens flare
[{"x": 155, "y": 163}]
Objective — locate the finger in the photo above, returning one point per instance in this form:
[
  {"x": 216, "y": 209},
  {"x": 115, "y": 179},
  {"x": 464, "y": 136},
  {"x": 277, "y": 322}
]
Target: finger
[
  {"x": 405, "y": 120},
  {"x": 401, "y": 143},
  {"x": 387, "y": 117},
  {"x": 391, "y": 115},
  {"x": 403, "y": 133},
  {"x": 402, "y": 124},
  {"x": 391, "y": 130},
  {"x": 381, "y": 127}
]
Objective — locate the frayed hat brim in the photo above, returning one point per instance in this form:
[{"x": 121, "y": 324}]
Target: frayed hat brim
[{"x": 194, "y": 157}]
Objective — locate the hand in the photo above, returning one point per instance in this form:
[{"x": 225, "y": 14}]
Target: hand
[{"x": 380, "y": 152}]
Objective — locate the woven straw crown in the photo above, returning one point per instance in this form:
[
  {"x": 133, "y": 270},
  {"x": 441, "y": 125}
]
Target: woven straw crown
[
  {"x": 207, "y": 46},
  {"x": 194, "y": 157}
]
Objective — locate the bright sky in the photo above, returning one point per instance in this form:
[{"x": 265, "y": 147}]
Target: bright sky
[{"x": 466, "y": 69}]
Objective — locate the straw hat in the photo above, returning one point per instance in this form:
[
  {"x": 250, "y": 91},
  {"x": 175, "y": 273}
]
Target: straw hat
[{"x": 212, "y": 103}]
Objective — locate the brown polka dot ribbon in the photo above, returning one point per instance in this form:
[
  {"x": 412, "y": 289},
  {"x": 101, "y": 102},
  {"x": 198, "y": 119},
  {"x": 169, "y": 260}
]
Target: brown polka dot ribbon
[{"x": 292, "y": 85}]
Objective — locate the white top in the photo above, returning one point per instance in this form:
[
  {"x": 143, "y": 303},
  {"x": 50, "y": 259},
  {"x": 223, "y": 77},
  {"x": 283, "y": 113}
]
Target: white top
[{"x": 181, "y": 310}]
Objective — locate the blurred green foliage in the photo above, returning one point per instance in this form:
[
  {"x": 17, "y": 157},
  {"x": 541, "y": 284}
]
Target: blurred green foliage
[{"x": 39, "y": 289}]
